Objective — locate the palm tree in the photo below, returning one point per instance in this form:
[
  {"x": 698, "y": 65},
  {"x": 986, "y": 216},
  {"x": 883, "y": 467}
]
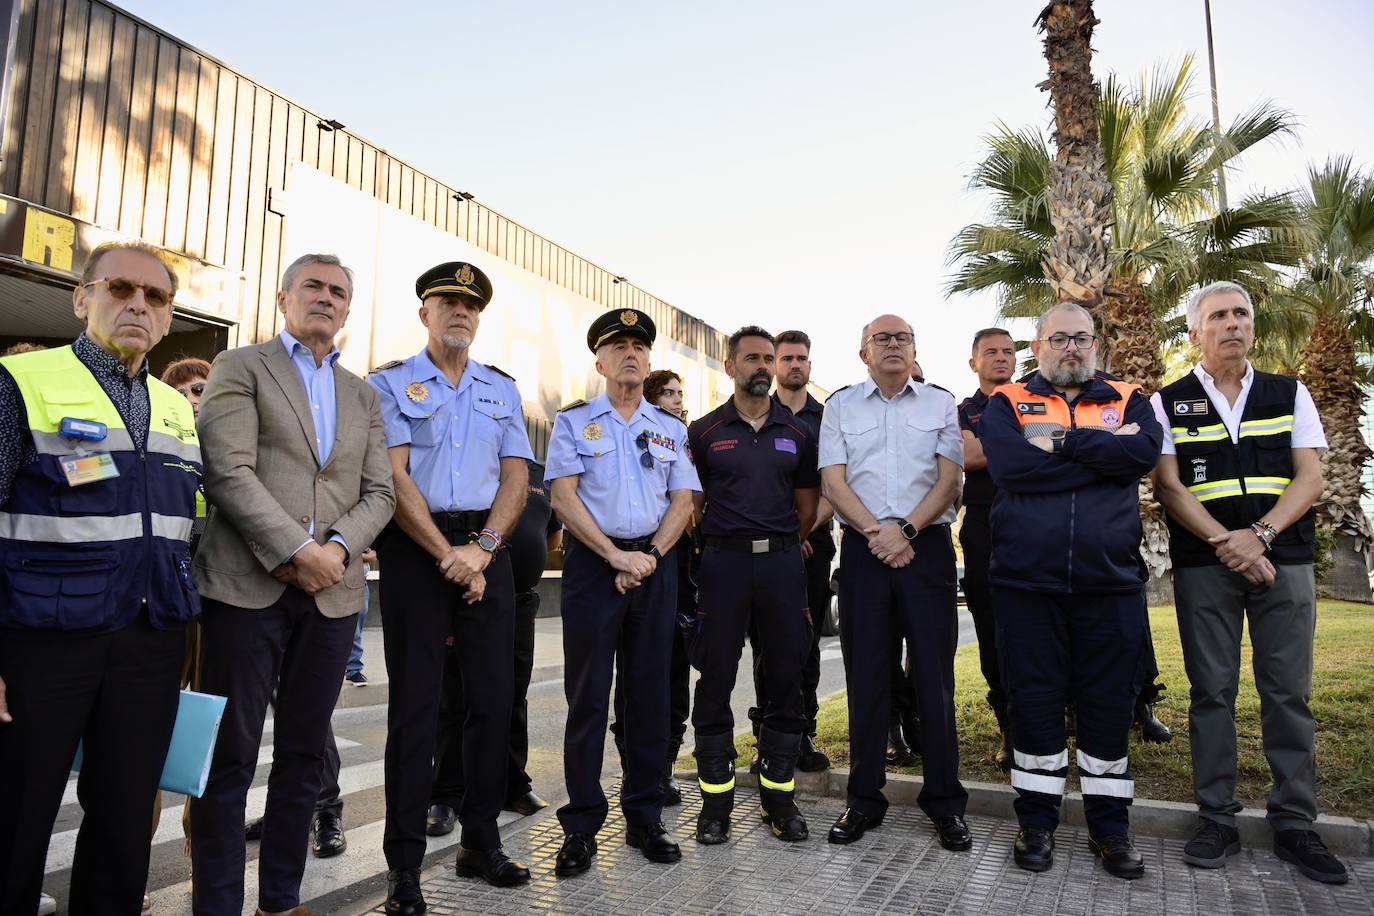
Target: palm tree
[
  {"x": 1335, "y": 283},
  {"x": 1165, "y": 233}
]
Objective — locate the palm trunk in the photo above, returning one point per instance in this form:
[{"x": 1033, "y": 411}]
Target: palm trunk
[
  {"x": 1080, "y": 195},
  {"x": 1332, "y": 374},
  {"x": 1130, "y": 335}
]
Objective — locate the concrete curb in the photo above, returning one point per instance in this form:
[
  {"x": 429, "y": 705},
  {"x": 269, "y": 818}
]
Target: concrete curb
[{"x": 1169, "y": 820}]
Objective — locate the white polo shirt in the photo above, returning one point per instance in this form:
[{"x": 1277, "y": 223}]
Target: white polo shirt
[{"x": 1307, "y": 423}]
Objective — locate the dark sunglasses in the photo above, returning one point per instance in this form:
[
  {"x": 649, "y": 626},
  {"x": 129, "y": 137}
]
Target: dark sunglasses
[
  {"x": 645, "y": 459},
  {"x": 122, "y": 289},
  {"x": 198, "y": 388}
]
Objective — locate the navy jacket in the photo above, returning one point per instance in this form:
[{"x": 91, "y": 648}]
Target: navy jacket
[{"x": 1068, "y": 522}]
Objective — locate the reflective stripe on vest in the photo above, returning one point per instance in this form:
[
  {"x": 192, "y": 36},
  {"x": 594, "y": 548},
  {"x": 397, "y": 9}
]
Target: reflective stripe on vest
[{"x": 80, "y": 529}]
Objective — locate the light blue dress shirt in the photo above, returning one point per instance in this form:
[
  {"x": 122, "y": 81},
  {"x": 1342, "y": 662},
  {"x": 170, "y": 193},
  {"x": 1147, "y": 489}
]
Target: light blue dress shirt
[
  {"x": 457, "y": 436},
  {"x": 625, "y": 499},
  {"x": 324, "y": 409},
  {"x": 889, "y": 447}
]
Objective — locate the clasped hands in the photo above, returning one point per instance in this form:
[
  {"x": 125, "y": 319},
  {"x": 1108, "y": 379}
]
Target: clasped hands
[
  {"x": 1243, "y": 552},
  {"x": 887, "y": 543},
  {"x": 465, "y": 565},
  {"x": 631, "y": 568},
  {"x": 314, "y": 568}
]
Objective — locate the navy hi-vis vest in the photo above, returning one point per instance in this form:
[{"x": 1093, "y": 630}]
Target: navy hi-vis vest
[
  {"x": 1237, "y": 482},
  {"x": 89, "y": 557}
]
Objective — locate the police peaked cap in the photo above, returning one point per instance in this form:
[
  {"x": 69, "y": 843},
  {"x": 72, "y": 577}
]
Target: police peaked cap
[
  {"x": 455, "y": 278},
  {"x": 621, "y": 321}
]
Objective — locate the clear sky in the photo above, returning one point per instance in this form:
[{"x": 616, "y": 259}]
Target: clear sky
[{"x": 781, "y": 162}]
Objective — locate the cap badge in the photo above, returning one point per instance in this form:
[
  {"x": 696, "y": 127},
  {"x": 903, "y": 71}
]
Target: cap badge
[
  {"x": 417, "y": 392},
  {"x": 464, "y": 276},
  {"x": 629, "y": 318},
  {"x": 591, "y": 432}
]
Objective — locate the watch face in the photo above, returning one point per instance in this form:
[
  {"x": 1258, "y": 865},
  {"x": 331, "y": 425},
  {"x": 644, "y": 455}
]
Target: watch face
[{"x": 486, "y": 542}]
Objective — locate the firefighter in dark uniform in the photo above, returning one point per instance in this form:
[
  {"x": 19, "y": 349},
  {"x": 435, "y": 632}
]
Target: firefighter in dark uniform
[
  {"x": 459, "y": 451},
  {"x": 621, "y": 481},
  {"x": 760, "y": 489},
  {"x": 793, "y": 354},
  {"x": 994, "y": 362},
  {"x": 1066, "y": 448}
]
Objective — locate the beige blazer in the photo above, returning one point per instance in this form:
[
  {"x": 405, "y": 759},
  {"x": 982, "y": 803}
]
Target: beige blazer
[{"x": 264, "y": 482}]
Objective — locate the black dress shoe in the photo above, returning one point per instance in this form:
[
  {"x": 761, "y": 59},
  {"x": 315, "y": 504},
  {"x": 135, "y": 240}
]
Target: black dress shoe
[
  {"x": 953, "y": 833},
  {"x": 898, "y": 753},
  {"x": 403, "y": 897},
  {"x": 712, "y": 831},
  {"x": 328, "y": 839},
  {"x": 526, "y": 803},
  {"x": 851, "y": 826},
  {"x": 811, "y": 760},
  {"x": 669, "y": 792},
  {"x": 252, "y": 830},
  {"x": 440, "y": 820},
  {"x": 1152, "y": 730},
  {"x": 491, "y": 865},
  {"x": 1118, "y": 856},
  {"x": 654, "y": 842},
  {"x": 1034, "y": 849},
  {"x": 575, "y": 856},
  {"x": 790, "y": 828}
]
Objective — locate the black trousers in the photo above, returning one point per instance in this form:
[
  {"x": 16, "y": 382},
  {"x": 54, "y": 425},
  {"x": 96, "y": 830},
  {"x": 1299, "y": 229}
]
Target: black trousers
[
  {"x": 448, "y": 787},
  {"x": 975, "y": 537},
  {"x": 246, "y": 653},
  {"x": 420, "y": 611},
  {"x": 917, "y": 601},
  {"x": 767, "y": 590},
  {"x": 1081, "y": 649},
  {"x": 329, "y": 800},
  {"x": 599, "y": 623},
  {"x": 817, "y": 601},
  {"x": 116, "y": 692}
]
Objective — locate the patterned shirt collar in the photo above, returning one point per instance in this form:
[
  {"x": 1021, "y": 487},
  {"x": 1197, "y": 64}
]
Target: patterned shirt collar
[{"x": 102, "y": 362}]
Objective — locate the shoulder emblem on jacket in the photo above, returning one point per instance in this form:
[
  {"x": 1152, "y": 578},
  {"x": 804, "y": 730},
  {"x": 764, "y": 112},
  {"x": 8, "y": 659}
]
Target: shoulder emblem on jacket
[
  {"x": 391, "y": 365},
  {"x": 499, "y": 371},
  {"x": 578, "y": 403},
  {"x": 837, "y": 391}
]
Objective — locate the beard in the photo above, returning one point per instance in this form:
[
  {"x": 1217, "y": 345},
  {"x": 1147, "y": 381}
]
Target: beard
[
  {"x": 758, "y": 387},
  {"x": 1071, "y": 376},
  {"x": 456, "y": 343},
  {"x": 787, "y": 382}
]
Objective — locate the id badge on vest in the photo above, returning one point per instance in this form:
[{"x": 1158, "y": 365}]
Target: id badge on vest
[{"x": 85, "y": 468}]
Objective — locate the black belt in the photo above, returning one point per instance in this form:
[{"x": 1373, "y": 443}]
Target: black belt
[
  {"x": 469, "y": 523},
  {"x": 848, "y": 528},
  {"x": 764, "y": 544},
  {"x": 631, "y": 545}
]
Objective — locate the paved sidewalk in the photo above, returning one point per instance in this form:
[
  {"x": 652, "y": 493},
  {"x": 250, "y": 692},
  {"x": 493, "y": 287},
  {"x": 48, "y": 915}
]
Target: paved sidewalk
[{"x": 899, "y": 868}]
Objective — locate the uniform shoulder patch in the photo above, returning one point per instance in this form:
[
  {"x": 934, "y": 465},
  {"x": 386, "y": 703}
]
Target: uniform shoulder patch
[
  {"x": 940, "y": 388},
  {"x": 578, "y": 403},
  {"x": 499, "y": 371},
  {"x": 385, "y": 366},
  {"x": 836, "y": 391}
]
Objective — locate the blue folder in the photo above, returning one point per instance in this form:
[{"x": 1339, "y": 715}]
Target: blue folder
[{"x": 193, "y": 744}]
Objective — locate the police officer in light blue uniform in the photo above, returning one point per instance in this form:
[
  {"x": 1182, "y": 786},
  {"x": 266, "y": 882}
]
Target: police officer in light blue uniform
[
  {"x": 459, "y": 452},
  {"x": 621, "y": 480}
]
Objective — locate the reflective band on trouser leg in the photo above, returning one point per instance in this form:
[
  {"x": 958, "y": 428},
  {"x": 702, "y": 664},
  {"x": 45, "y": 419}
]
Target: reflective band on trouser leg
[
  {"x": 1094, "y": 766},
  {"x": 767, "y": 783},
  {"x": 1043, "y": 773},
  {"x": 1106, "y": 785},
  {"x": 716, "y": 788},
  {"x": 1216, "y": 489}
]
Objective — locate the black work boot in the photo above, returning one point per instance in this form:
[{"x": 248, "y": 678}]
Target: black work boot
[
  {"x": 716, "y": 775},
  {"x": 669, "y": 792},
  {"x": 898, "y": 754},
  {"x": 1151, "y": 729},
  {"x": 778, "y": 752},
  {"x": 811, "y": 759}
]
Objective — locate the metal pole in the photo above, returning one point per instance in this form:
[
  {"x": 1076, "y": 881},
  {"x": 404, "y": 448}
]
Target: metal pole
[{"x": 1216, "y": 113}]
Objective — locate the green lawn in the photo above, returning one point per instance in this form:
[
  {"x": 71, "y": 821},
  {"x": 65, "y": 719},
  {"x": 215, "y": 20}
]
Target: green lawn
[{"x": 1342, "y": 700}]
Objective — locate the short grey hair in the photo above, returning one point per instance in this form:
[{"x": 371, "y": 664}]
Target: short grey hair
[
  {"x": 1069, "y": 306},
  {"x": 1212, "y": 289},
  {"x": 288, "y": 277}
]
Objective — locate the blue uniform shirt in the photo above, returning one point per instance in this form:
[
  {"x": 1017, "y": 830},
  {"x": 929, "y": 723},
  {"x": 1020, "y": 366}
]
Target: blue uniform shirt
[
  {"x": 319, "y": 391},
  {"x": 625, "y": 499},
  {"x": 457, "y": 436}
]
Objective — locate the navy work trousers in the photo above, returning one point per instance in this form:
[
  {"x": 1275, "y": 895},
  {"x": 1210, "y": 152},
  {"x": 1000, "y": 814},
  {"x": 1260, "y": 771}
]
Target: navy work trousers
[{"x": 879, "y": 604}]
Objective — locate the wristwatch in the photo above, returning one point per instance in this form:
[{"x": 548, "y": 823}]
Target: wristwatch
[
  {"x": 653, "y": 551},
  {"x": 1057, "y": 439},
  {"x": 489, "y": 541},
  {"x": 909, "y": 531}
]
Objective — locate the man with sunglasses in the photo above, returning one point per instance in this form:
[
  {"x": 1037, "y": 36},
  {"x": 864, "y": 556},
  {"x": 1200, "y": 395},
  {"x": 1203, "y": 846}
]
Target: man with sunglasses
[
  {"x": 621, "y": 481},
  {"x": 455, "y": 431},
  {"x": 890, "y": 457},
  {"x": 99, "y": 465},
  {"x": 1066, "y": 447},
  {"x": 760, "y": 491}
]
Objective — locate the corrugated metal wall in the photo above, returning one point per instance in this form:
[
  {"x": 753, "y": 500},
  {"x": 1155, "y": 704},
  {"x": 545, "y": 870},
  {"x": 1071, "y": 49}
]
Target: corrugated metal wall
[{"x": 119, "y": 124}]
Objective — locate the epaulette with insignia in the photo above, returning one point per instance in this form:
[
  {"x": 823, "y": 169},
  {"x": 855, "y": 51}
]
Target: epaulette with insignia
[
  {"x": 499, "y": 371},
  {"x": 578, "y": 403},
  {"x": 942, "y": 388},
  {"x": 835, "y": 392},
  {"x": 385, "y": 366}
]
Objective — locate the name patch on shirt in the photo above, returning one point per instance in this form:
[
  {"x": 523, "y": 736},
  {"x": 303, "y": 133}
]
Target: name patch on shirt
[
  {"x": 490, "y": 401},
  {"x": 785, "y": 445},
  {"x": 1190, "y": 408},
  {"x": 724, "y": 445},
  {"x": 1030, "y": 407}
]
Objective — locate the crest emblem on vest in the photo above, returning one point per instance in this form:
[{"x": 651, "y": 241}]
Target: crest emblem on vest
[
  {"x": 592, "y": 431},
  {"x": 1199, "y": 470},
  {"x": 464, "y": 276},
  {"x": 1111, "y": 416},
  {"x": 629, "y": 318},
  {"x": 1030, "y": 407},
  {"x": 417, "y": 392}
]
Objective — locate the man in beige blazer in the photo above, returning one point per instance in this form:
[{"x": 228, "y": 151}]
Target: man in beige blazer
[{"x": 299, "y": 484}]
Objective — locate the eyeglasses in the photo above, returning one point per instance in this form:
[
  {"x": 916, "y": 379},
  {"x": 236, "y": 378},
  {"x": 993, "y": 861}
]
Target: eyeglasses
[
  {"x": 646, "y": 459},
  {"x": 1061, "y": 341},
  {"x": 197, "y": 388},
  {"x": 122, "y": 289},
  {"x": 882, "y": 338}
]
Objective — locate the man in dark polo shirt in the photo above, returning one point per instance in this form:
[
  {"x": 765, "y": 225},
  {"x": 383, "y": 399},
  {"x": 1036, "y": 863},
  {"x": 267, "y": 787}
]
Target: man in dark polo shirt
[
  {"x": 536, "y": 533},
  {"x": 994, "y": 362},
  {"x": 760, "y": 485}
]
